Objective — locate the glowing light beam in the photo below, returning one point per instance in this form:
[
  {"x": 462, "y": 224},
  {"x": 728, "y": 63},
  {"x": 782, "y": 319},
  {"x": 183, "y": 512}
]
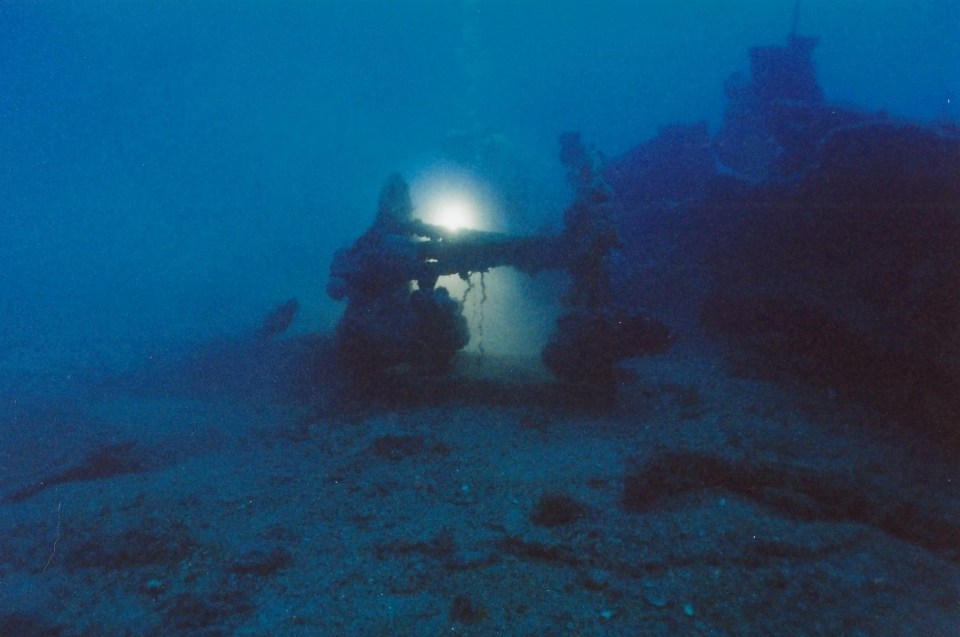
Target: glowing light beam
[
  {"x": 453, "y": 212},
  {"x": 453, "y": 199}
]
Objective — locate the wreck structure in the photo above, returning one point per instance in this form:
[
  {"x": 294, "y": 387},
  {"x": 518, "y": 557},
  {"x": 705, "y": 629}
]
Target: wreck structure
[{"x": 397, "y": 316}]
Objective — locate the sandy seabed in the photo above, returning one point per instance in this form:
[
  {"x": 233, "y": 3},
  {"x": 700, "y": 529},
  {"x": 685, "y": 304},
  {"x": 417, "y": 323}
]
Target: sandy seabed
[{"x": 703, "y": 502}]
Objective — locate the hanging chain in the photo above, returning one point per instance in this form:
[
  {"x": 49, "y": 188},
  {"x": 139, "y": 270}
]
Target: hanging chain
[{"x": 483, "y": 299}]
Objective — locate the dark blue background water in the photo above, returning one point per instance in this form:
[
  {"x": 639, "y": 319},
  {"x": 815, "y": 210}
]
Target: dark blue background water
[{"x": 171, "y": 170}]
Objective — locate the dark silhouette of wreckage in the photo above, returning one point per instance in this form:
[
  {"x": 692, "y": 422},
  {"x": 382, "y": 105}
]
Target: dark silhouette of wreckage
[{"x": 396, "y": 316}]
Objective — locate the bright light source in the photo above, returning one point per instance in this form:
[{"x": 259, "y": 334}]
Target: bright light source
[
  {"x": 453, "y": 198},
  {"x": 452, "y": 212}
]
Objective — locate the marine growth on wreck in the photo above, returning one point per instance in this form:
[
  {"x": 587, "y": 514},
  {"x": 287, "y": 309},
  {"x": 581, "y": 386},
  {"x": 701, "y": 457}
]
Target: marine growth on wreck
[{"x": 397, "y": 315}]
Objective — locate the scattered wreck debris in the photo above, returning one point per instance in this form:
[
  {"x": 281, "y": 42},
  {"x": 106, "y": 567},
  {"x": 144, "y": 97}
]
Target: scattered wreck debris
[
  {"x": 278, "y": 321},
  {"x": 107, "y": 461}
]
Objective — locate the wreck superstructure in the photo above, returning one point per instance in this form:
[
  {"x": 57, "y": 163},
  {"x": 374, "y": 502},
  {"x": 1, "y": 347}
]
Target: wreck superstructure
[{"x": 397, "y": 315}]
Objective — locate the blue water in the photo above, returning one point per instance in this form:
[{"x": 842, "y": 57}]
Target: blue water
[
  {"x": 175, "y": 461},
  {"x": 169, "y": 171}
]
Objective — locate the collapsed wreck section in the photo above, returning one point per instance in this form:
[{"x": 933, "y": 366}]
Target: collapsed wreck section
[{"x": 397, "y": 317}]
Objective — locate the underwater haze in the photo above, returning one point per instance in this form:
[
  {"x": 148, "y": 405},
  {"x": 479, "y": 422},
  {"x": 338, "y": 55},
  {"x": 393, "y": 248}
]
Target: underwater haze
[
  {"x": 479, "y": 317},
  {"x": 171, "y": 171}
]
